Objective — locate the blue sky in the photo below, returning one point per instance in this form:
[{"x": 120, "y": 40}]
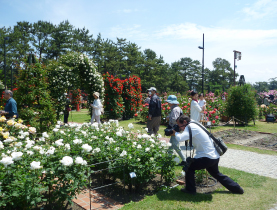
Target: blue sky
[{"x": 173, "y": 29}]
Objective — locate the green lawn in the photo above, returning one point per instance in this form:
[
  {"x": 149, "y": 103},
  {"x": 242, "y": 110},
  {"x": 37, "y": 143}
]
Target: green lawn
[{"x": 260, "y": 193}]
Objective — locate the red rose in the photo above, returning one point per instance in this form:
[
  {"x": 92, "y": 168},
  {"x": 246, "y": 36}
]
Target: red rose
[
  {"x": 216, "y": 117},
  {"x": 136, "y": 115},
  {"x": 213, "y": 121},
  {"x": 168, "y": 108},
  {"x": 188, "y": 104},
  {"x": 185, "y": 107}
]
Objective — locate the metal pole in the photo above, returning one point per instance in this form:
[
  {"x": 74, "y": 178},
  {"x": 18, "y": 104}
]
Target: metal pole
[
  {"x": 203, "y": 67},
  {"x": 12, "y": 79},
  {"x": 234, "y": 68},
  {"x": 5, "y": 63}
]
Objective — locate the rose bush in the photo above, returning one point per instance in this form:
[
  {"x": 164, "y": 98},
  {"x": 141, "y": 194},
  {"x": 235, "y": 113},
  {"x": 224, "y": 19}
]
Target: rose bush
[
  {"x": 74, "y": 70},
  {"x": 53, "y": 168}
]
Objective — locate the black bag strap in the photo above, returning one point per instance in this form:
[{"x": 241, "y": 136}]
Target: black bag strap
[
  {"x": 190, "y": 136},
  {"x": 190, "y": 141},
  {"x": 201, "y": 126}
]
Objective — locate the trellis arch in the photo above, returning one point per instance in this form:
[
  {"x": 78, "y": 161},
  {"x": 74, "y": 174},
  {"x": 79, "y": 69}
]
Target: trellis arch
[{"x": 72, "y": 71}]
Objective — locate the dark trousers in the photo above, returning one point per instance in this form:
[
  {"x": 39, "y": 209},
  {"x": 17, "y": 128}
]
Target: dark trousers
[
  {"x": 211, "y": 165},
  {"x": 65, "y": 118},
  {"x": 153, "y": 125}
]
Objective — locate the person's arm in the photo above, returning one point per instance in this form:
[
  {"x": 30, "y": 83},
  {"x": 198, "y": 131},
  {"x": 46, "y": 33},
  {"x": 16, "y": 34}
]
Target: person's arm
[
  {"x": 197, "y": 107},
  {"x": 97, "y": 104},
  {"x": 184, "y": 136},
  {"x": 152, "y": 106}
]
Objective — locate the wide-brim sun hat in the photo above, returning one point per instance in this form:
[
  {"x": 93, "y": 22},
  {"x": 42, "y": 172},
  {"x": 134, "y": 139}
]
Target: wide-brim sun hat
[
  {"x": 96, "y": 93},
  {"x": 152, "y": 88},
  {"x": 172, "y": 99}
]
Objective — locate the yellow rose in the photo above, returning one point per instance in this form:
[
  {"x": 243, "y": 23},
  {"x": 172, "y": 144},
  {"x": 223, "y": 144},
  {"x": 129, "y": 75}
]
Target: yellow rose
[
  {"x": 14, "y": 116},
  {"x": 20, "y": 121},
  {"x": 1, "y": 129},
  {"x": 6, "y": 135},
  {"x": 10, "y": 122},
  {"x": 2, "y": 119}
]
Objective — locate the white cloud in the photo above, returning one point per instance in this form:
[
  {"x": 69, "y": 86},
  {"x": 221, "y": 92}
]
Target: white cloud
[
  {"x": 261, "y": 9},
  {"x": 243, "y": 36},
  {"x": 131, "y": 32}
]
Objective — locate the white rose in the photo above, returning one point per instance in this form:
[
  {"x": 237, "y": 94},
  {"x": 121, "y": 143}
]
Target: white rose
[
  {"x": 77, "y": 141},
  {"x": 16, "y": 155},
  {"x": 67, "y": 161},
  {"x": 45, "y": 135},
  {"x": 131, "y": 126},
  {"x": 35, "y": 165},
  {"x": 6, "y": 161},
  {"x": 80, "y": 161},
  {"x": 32, "y": 130},
  {"x": 86, "y": 148},
  {"x": 123, "y": 153}
]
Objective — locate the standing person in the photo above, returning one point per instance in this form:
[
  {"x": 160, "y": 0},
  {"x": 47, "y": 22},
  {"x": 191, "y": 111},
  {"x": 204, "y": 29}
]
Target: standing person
[
  {"x": 175, "y": 113},
  {"x": 10, "y": 109},
  {"x": 154, "y": 112},
  {"x": 206, "y": 157},
  {"x": 195, "y": 109},
  {"x": 67, "y": 109},
  {"x": 97, "y": 106},
  {"x": 202, "y": 104}
]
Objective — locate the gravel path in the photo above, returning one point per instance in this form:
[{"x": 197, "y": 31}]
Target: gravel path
[{"x": 263, "y": 165}]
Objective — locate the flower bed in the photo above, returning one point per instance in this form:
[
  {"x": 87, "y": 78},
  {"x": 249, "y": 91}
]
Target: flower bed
[
  {"x": 53, "y": 168},
  {"x": 213, "y": 107}
]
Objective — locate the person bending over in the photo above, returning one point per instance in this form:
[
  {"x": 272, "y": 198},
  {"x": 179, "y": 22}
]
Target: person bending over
[{"x": 206, "y": 157}]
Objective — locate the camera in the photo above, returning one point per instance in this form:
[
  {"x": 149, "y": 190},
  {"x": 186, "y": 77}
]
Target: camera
[
  {"x": 169, "y": 131},
  {"x": 189, "y": 160}
]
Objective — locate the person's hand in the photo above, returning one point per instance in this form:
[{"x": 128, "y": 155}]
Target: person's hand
[
  {"x": 149, "y": 118},
  {"x": 167, "y": 118},
  {"x": 173, "y": 134}
]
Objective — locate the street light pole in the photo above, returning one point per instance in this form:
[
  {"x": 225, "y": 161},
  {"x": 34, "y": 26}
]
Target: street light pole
[
  {"x": 6, "y": 38},
  {"x": 202, "y": 65},
  {"x": 237, "y": 55}
]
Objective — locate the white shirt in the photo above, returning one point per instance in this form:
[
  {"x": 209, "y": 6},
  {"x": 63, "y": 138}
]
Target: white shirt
[
  {"x": 195, "y": 110},
  {"x": 202, "y": 143},
  {"x": 97, "y": 107},
  {"x": 202, "y": 103}
]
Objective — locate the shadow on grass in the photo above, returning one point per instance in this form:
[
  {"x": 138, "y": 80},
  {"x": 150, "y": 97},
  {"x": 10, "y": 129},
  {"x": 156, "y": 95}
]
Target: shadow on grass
[{"x": 176, "y": 195}]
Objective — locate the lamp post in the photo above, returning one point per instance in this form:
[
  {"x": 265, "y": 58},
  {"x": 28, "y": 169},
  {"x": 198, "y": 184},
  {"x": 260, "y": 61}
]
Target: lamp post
[
  {"x": 237, "y": 55},
  {"x": 6, "y": 38},
  {"x": 202, "y": 48}
]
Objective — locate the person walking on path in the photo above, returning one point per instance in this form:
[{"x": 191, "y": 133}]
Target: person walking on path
[
  {"x": 175, "y": 113},
  {"x": 206, "y": 157},
  {"x": 97, "y": 106},
  {"x": 195, "y": 109},
  {"x": 154, "y": 112}
]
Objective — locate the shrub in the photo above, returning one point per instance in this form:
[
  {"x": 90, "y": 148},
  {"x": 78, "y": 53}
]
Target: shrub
[
  {"x": 34, "y": 103},
  {"x": 241, "y": 103}
]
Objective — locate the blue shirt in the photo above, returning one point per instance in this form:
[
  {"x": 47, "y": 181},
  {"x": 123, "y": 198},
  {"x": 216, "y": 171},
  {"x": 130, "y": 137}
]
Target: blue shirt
[{"x": 11, "y": 108}]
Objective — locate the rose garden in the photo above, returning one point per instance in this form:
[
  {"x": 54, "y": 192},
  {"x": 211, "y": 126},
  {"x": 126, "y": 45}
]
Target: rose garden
[{"x": 44, "y": 162}]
